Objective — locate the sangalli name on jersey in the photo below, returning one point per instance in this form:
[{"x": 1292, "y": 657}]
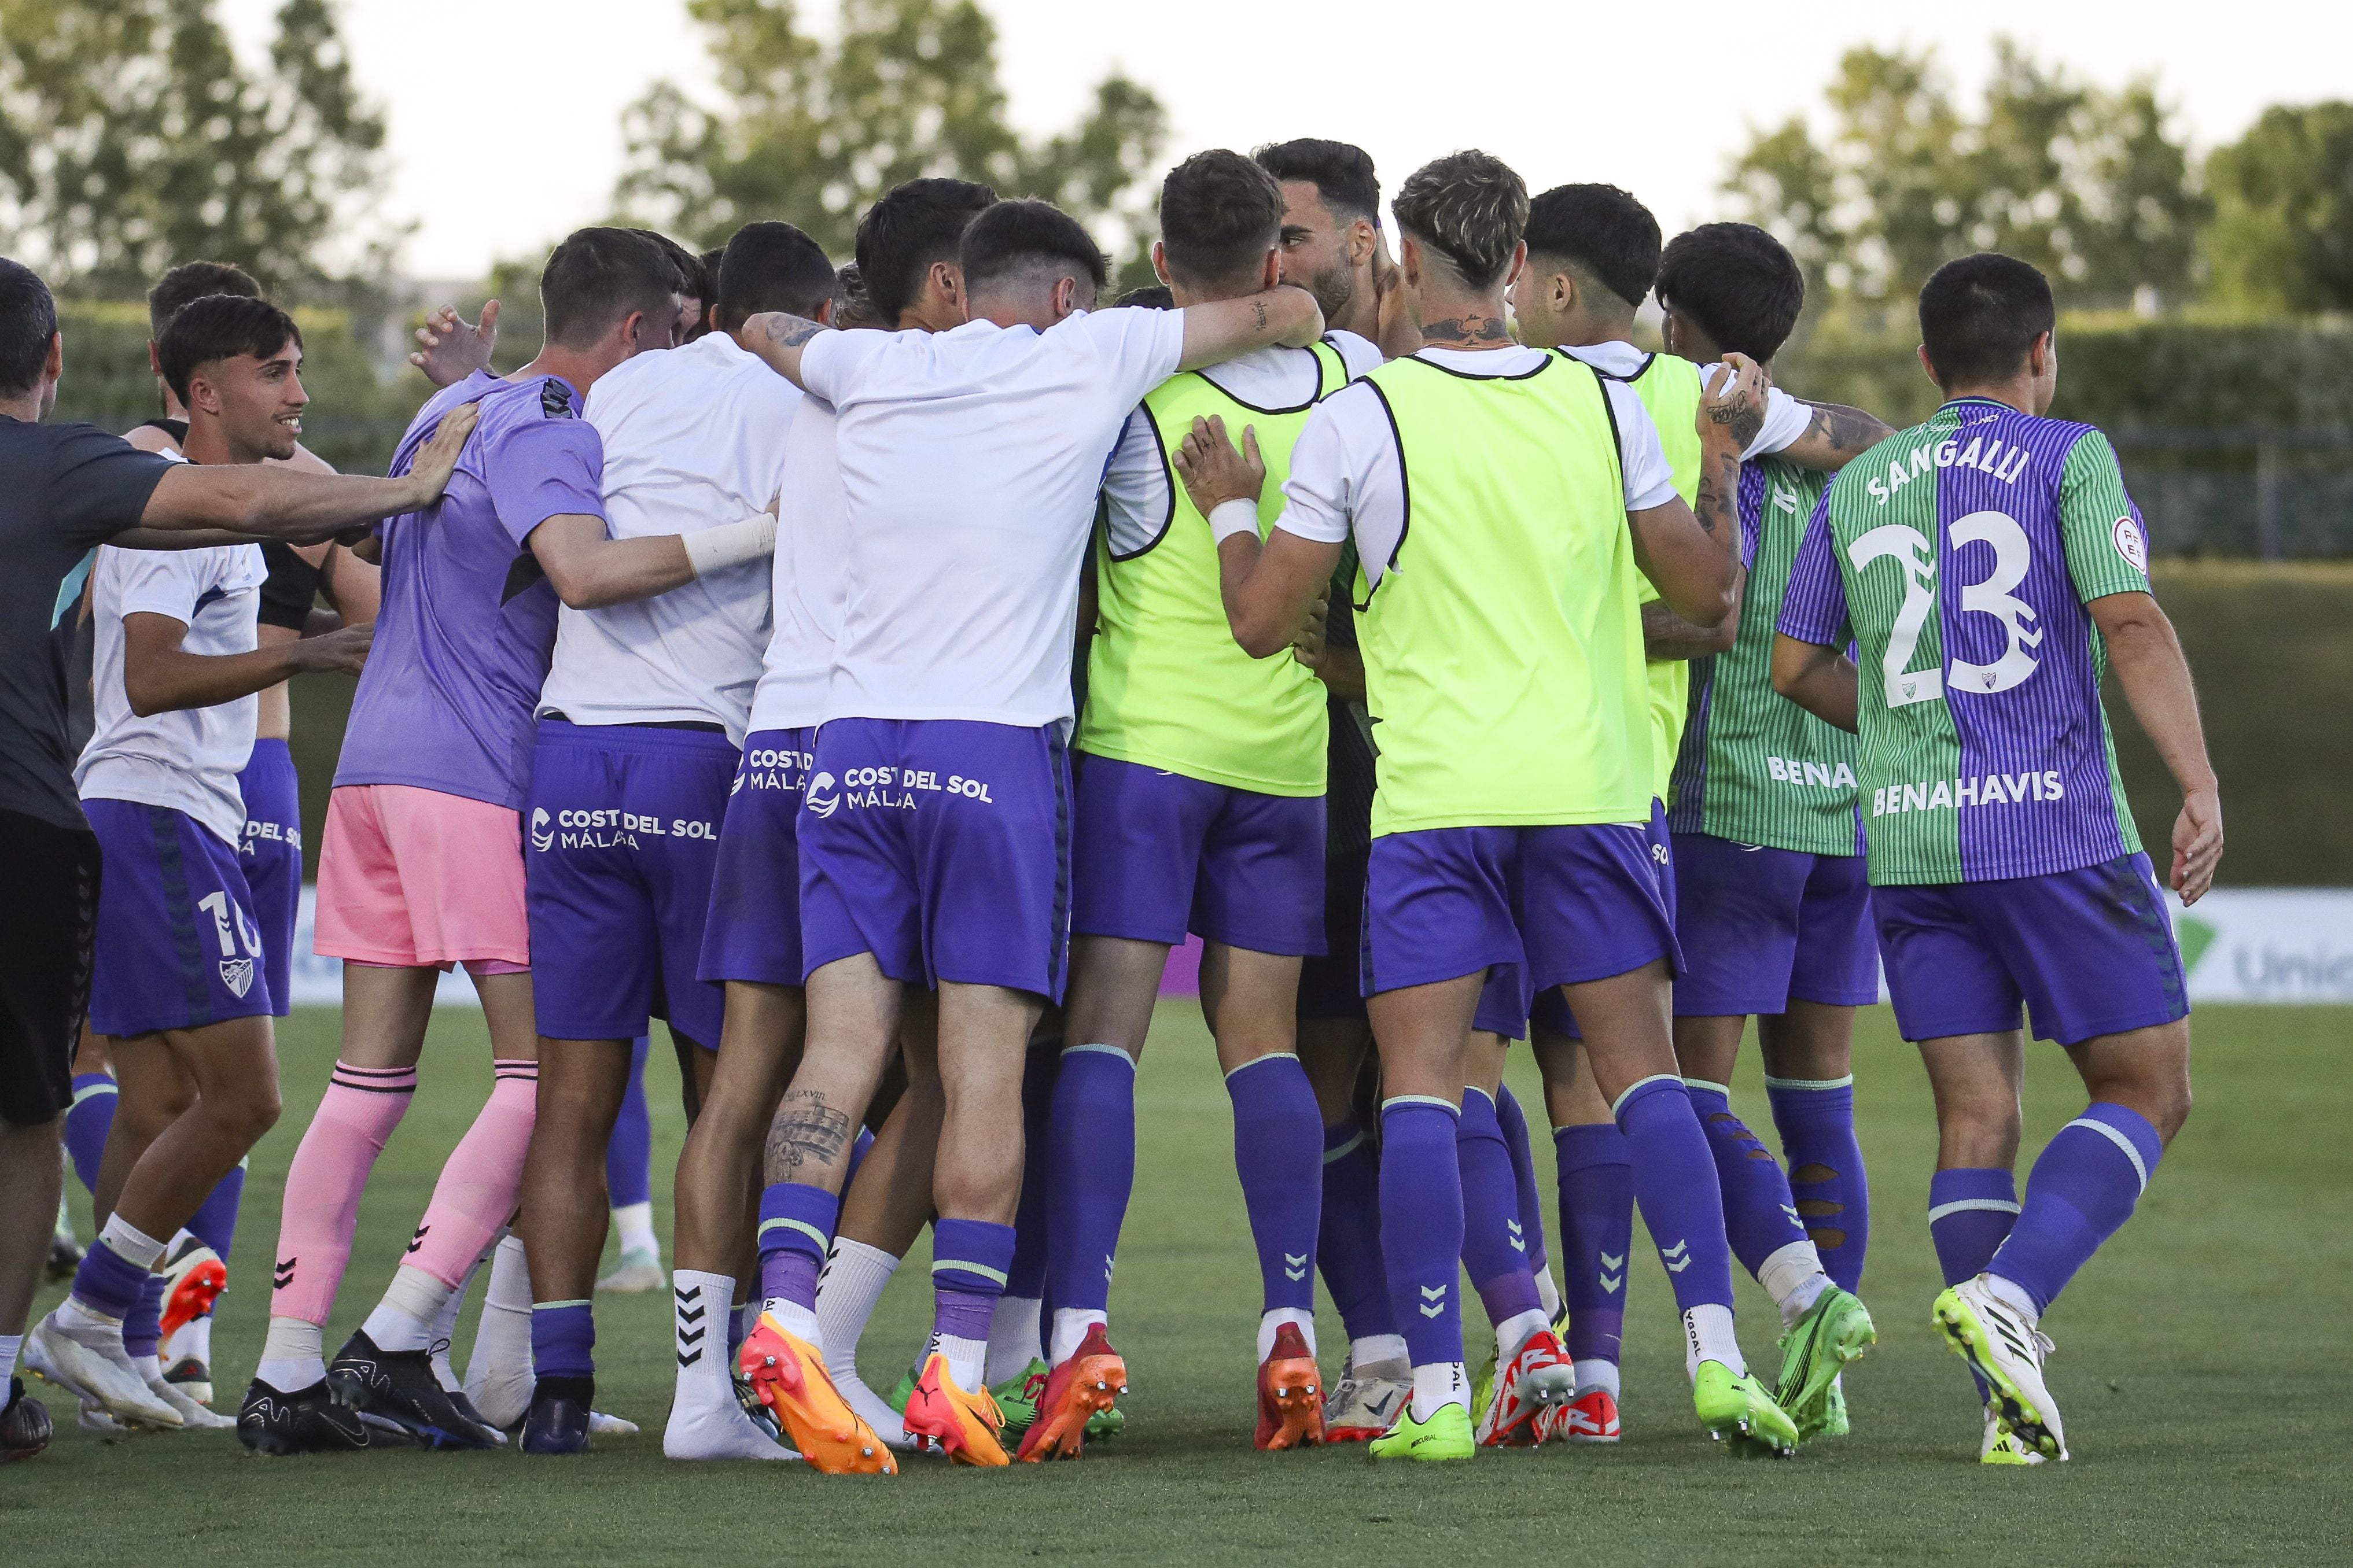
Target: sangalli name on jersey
[
  {"x": 2002, "y": 461},
  {"x": 1993, "y": 789}
]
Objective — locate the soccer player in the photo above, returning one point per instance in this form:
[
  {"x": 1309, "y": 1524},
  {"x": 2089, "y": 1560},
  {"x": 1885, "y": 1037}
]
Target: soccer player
[
  {"x": 421, "y": 869},
  {"x": 68, "y": 488},
  {"x": 641, "y": 726},
  {"x": 1504, "y": 616},
  {"x": 1990, "y": 568},
  {"x": 177, "y": 676},
  {"x": 1594, "y": 255},
  {"x": 1332, "y": 241},
  {"x": 1200, "y": 807},
  {"x": 934, "y": 833}
]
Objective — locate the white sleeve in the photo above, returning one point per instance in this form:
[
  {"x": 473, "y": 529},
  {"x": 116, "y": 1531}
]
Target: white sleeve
[
  {"x": 1786, "y": 420},
  {"x": 1137, "y": 489},
  {"x": 157, "y": 582},
  {"x": 1360, "y": 356},
  {"x": 1649, "y": 480},
  {"x": 1344, "y": 478},
  {"x": 1141, "y": 348},
  {"x": 829, "y": 362}
]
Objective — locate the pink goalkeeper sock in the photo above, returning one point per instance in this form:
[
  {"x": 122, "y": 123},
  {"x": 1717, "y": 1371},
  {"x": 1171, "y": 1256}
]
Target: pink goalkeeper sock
[
  {"x": 483, "y": 1180},
  {"x": 360, "y": 1107}
]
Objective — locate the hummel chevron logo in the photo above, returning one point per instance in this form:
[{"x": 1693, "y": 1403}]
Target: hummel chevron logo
[
  {"x": 1675, "y": 1258},
  {"x": 1609, "y": 1262},
  {"x": 1294, "y": 1267},
  {"x": 418, "y": 1239},
  {"x": 1612, "y": 1283},
  {"x": 691, "y": 1337},
  {"x": 685, "y": 1360},
  {"x": 285, "y": 1274},
  {"x": 1433, "y": 1301},
  {"x": 693, "y": 1314},
  {"x": 1518, "y": 1245},
  {"x": 686, "y": 1293},
  {"x": 1792, "y": 1213}
]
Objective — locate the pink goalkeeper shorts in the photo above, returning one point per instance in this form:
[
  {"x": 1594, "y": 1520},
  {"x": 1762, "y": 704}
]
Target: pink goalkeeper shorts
[{"x": 412, "y": 877}]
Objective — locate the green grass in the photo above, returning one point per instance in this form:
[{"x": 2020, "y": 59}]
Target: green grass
[{"x": 2202, "y": 1370}]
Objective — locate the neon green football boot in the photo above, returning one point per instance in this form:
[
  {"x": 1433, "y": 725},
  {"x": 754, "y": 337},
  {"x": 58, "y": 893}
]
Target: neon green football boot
[
  {"x": 903, "y": 1390},
  {"x": 1445, "y": 1435},
  {"x": 1482, "y": 1387},
  {"x": 1834, "y": 1331},
  {"x": 1740, "y": 1409},
  {"x": 1017, "y": 1396}
]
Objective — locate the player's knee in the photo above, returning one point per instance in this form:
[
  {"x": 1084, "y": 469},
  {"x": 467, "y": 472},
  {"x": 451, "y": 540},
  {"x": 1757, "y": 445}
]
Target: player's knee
[
  {"x": 1980, "y": 1133},
  {"x": 251, "y": 1111}
]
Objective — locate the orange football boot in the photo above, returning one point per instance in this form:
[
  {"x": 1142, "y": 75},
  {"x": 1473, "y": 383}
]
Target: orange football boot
[
  {"x": 965, "y": 1425},
  {"x": 199, "y": 1284},
  {"x": 1290, "y": 1394},
  {"x": 789, "y": 1376},
  {"x": 1079, "y": 1389}
]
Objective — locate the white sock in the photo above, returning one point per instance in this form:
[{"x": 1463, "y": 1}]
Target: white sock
[
  {"x": 193, "y": 1339},
  {"x": 9, "y": 1345},
  {"x": 149, "y": 1368},
  {"x": 1513, "y": 1332},
  {"x": 1013, "y": 1341},
  {"x": 443, "y": 1333},
  {"x": 75, "y": 1313},
  {"x": 502, "y": 1334},
  {"x": 1793, "y": 1276},
  {"x": 1439, "y": 1383},
  {"x": 1708, "y": 1336},
  {"x": 1071, "y": 1326},
  {"x": 635, "y": 1224},
  {"x": 293, "y": 1358},
  {"x": 131, "y": 1244},
  {"x": 2012, "y": 1295},
  {"x": 967, "y": 1359},
  {"x": 1384, "y": 1353},
  {"x": 403, "y": 1321},
  {"x": 1548, "y": 1293},
  {"x": 1270, "y": 1322},
  {"x": 699, "y": 1309},
  {"x": 796, "y": 1320},
  {"x": 1597, "y": 1373},
  {"x": 854, "y": 1279}
]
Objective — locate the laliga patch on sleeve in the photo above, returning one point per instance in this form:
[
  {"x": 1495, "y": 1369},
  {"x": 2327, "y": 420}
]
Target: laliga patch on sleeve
[{"x": 2130, "y": 545}]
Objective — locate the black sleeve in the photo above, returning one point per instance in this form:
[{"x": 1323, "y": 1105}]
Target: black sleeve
[{"x": 98, "y": 482}]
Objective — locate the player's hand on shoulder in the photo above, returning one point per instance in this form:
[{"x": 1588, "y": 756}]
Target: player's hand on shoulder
[
  {"x": 1733, "y": 405},
  {"x": 436, "y": 459},
  {"x": 449, "y": 348},
  {"x": 1214, "y": 472}
]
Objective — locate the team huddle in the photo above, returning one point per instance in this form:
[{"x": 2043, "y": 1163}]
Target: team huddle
[{"x": 875, "y": 672}]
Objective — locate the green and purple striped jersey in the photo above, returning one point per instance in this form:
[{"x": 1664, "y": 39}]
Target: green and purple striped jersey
[
  {"x": 1958, "y": 555},
  {"x": 1754, "y": 766}
]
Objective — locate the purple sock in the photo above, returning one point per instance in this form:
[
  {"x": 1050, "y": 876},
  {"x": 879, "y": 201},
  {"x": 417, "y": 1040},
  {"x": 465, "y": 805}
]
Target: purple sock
[
  {"x": 142, "y": 1330},
  {"x": 1026, "y": 1278},
  {"x": 970, "y": 1262},
  {"x": 1421, "y": 1225},
  {"x": 1759, "y": 1215},
  {"x": 797, "y": 1224},
  {"x": 1091, "y": 1146},
  {"x": 1494, "y": 1250},
  {"x": 563, "y": 1339},
  {"x": 1278, "y": 1153},
  {"x": 1515, "y": 1123},
  {"x": 1970, "y": 1215},
  {"x": 107, "y": 1283},
  {"x": 859, "y": 1147},
  {"x": 1597, "y": 1232},
  {"x": 629, "y": 1157},
  {"x": 2080, "y": 1192},
  {"x": 1816, "y": 1121},
  {"x": 1674, "y": 1183},
  {"x": 87, "y": 1123},
  {"x": 214, "y": 1222},
  {"x": 1349, "y": 1242}
]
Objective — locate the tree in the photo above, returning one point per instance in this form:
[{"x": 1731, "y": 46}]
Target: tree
[
  {"x": 813, "y": 132},
  {"x": 2086, "y": 184},
  {"x": 132, "y": 138},
  {"x": 2282, "y": 233}
]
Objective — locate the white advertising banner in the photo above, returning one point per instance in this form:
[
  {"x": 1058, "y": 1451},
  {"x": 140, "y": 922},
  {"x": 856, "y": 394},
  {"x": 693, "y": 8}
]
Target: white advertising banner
[{"x": 2239, "y": 944}]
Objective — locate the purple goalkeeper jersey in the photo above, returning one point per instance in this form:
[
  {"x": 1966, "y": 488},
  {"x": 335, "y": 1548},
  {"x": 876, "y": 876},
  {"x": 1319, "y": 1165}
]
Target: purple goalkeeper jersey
[{"x": 468, "y": 621}]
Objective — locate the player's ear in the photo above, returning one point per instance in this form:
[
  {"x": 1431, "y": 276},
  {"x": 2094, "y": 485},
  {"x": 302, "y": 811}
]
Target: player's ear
[
  {"x": 1930, "y": 366},
  {"x": 1160, "y": 261},
  {"x": 1270, "y": 271}
]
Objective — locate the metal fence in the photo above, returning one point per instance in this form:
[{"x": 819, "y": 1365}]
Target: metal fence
[{"x": 2270, "y": 494}]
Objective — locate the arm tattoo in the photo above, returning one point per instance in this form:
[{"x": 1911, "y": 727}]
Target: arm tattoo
[
  {"x": 1258, "y": 309},
  {"x": 1848, "y": 431},
  {"x": 1467, "y": 329},
  {"x": 1745, "y": 419},
  {"x": 805, "y": 1133},
  {"x": 792, "y": 331}
]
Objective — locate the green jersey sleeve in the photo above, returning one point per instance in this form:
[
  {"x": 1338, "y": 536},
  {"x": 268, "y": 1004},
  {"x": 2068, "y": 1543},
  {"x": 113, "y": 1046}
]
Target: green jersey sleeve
[{"x": 2107, "y": 544}]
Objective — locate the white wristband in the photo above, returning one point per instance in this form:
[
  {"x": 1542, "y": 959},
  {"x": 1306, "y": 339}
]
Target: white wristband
[
  {"x": 1231, "y": 517},
  {"x": 729, "y": 544}
]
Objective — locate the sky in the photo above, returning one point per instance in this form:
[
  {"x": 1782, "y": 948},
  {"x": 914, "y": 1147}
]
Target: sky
[{"x": 1654, "y": 97}]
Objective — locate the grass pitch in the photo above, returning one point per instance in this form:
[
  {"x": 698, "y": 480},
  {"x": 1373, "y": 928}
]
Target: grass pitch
[{"x": 2202, "y": 1371}]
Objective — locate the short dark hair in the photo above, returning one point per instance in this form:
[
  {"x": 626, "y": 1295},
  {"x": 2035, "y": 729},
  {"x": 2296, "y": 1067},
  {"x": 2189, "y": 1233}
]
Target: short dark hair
[
  {"x": 1601, "y": 230},
  {"x": 194, "y": 280},
  {"x": 1979, "y": 315},
  {"x": 217, "y": 327},
  {"x": 1341, "y": 173},
  {"x": 29, "y": 322},
  {"x": 694, "y": 279},
  {"x": 1020, "y": 237},
  {"x": 851, "y": 307},
  {"x": 912, "y": 226},
  {"x": 598, "y": 276},
  {"x": 772, "y": 266},
  {"x": 1739, "y": 283},
  {"x": 1220, "y": 216},
  {"x": 1471, "y": 208},
  {"x": 1151, "y": 297}
]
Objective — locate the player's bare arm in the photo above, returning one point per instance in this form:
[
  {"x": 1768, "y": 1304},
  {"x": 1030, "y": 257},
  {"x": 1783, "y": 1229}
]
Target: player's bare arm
[
  {"x": 1667, "y": 636},
  {"x": 778, "y": 338},
  {"x": 2150, "y": 667},
  {"x": 1271, "y": 590},
  {"x": 275, "y": 502},
  {"x": 591, "y": 570},
  {"x": 158, "y": 676},
  {"x": 1222, "y": 329},
  {"x": 1821, "y": 680},
  {"x": 1691, "y": 554},
  {"x": 1835, "y": 436}
]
